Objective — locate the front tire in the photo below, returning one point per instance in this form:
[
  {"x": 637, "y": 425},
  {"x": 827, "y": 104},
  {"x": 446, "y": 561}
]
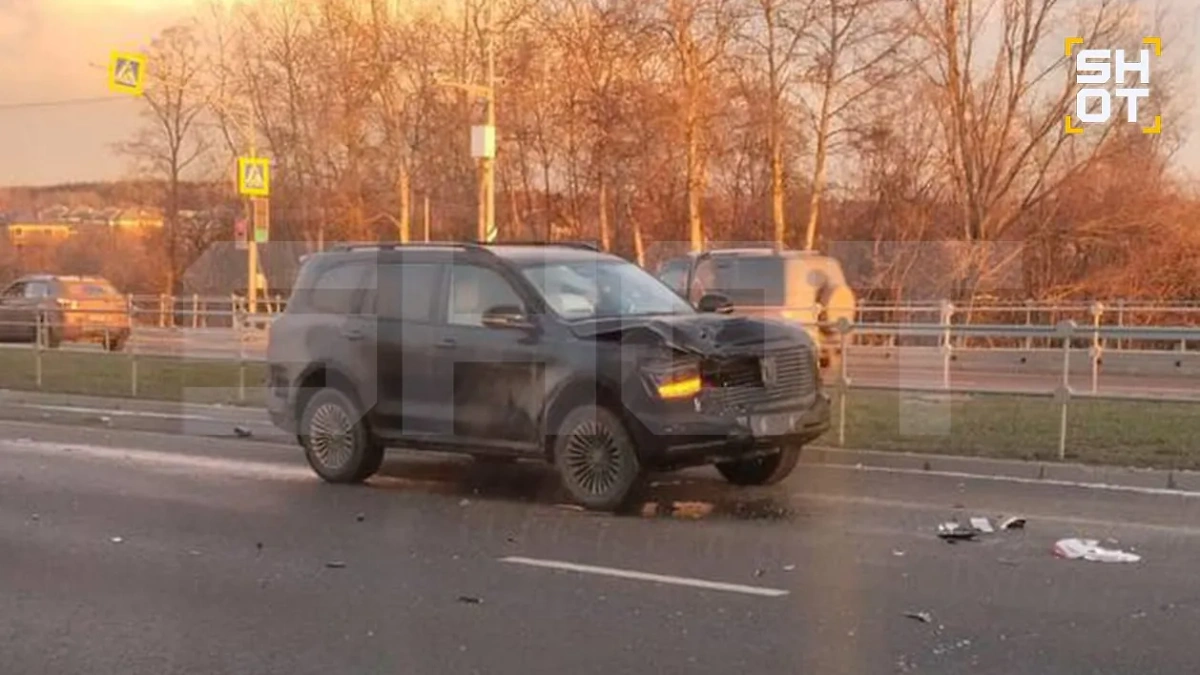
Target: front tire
[
  {"x": 765, "y": 470},
  {"x": 596, "y": 458},
  {"x": 336, "y": 441}
]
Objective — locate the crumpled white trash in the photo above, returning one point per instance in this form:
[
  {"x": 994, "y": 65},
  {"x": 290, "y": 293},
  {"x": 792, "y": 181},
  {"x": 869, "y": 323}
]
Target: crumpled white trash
[{"x": 1090, "y": 549}]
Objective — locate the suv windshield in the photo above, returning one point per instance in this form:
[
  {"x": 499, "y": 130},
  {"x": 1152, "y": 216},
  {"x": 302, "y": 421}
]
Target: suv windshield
[
  {"x": 604, "y": 288},
  {"x": 750, "y": 281}
]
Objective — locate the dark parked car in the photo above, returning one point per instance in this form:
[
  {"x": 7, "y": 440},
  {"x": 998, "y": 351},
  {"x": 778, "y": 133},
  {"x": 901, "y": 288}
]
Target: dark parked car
[
  {"x": 556, "y": 352},
  {"x": 63, "y": 308},
  {"x": 799, "y": 286}
]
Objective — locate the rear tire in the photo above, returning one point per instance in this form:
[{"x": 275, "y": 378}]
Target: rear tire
[
  {"x": 596, "y": 458},
  {"x": 766, "y": 470},
  {"x": 115, "y": 343},
  {"x": 336, "y": 441}
]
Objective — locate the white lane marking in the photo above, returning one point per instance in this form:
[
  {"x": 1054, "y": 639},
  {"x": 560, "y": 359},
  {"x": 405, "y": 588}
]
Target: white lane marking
[
  {"x": 1168, "y": 492},
  {"x": 161, "y": 460},
  {"x": 119, "y": 413},
  {"x": 645, "y": 576}
]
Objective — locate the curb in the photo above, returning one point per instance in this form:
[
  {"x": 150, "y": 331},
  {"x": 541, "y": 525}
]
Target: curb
[{"x": 1050, "y": 472}]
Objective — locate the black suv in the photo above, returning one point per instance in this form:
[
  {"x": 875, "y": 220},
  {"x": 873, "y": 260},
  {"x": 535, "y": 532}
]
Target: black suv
[{"x": 543, "y": 351}]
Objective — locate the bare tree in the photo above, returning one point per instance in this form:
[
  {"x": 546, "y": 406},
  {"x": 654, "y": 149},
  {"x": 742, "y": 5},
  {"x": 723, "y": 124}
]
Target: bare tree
[
  {"x": 699, "y": 33},
  {"x": 172, "y": 138}
]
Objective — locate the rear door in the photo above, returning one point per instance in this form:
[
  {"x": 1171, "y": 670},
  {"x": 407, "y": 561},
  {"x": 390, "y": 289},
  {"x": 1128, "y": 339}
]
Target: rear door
[{"x": 403, "y": 302}]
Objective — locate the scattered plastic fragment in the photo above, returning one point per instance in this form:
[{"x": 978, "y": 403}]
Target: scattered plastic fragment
[
  {"x": 1012, "y": 523},
  {"x": 335, "y": 564},
  {"x": 241, "y": 432},
  {"x": 923, "y": 617},
  {"x": 1090, "y": 550},
  {"x": 359, "y": 517},
  {"x": 788, "y": 568},
  {"x": 469, "y": 600},
  {"x": 983, "y": 525},
  {"x": 464, "y": 502},
  {"x": 694, "y": 510},
  {"x": 34, "y": 516},
  {"x": 898, "y": 553},
  {"x": 116, "y": 540},
  {"x": 569, "y": 507},
  {"x": 954, "y": 531}
]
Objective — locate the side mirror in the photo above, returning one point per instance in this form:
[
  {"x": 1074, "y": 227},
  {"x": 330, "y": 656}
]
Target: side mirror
[
  {"x": 506, "y": 316},
  {"x": 716, "y": 303}
]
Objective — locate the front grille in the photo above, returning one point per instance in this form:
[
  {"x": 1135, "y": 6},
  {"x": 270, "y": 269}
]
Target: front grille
[{"x": 735, "y": 384}]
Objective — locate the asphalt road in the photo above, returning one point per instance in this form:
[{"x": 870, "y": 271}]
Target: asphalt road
[{"x": 125, "y": 551}]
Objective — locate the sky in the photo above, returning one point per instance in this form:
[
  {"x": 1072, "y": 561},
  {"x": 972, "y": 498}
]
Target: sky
[{"x": 57, "y": 50}]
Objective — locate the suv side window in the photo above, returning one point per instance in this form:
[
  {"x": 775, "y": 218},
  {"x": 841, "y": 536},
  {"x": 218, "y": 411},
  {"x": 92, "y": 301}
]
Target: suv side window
[
  {"x": 474, "y": 290},
  {"x": 37, "y": 289},
  {"x": 337, "y": 288},
  {"x": 17, "y": 290},
  {"x": 407, "y": 291}
]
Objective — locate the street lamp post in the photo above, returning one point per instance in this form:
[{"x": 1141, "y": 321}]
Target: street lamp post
[{"x": 483, "y": 138}]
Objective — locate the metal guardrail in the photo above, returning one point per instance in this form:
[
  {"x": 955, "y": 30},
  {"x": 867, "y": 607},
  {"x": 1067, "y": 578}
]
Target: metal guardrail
[
  {"x": 1066, "y": 333},
  {"x": 1064, "y": 338}
]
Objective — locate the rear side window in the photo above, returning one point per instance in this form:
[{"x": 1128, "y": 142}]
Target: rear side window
[
  {"x": 407, "y": 291},
  {"x": 336, "y": 288},
  {"x": 748, "y": 281}
]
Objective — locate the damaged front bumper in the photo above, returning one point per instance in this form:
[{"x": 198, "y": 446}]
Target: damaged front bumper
[{"x": 687, "y": 438}]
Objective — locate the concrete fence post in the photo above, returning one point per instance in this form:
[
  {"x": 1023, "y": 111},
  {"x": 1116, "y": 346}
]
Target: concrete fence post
[
  {"x": 1097, "y": 348},
  {"x": 947, "y": 346},
  {"x": 1066, "y": 331}
]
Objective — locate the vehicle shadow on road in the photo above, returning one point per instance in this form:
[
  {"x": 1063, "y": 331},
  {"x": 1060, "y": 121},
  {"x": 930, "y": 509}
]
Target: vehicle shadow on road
[{"x": 690, "y": 495}]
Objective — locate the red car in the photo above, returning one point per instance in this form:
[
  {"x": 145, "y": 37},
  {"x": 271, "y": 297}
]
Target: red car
[{"x": 70, "y": 308}]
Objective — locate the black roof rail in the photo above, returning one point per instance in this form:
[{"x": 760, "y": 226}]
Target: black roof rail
[
  {"x": 541, "y": 242},
  {"x": 394, "y": 245}
]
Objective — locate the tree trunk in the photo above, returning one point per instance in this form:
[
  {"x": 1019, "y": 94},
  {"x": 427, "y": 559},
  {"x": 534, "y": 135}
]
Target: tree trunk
[
  {"x": 818, "y": 181},
  {"x": 405, "y": 219},
  {"x": 604, "y": 235}
]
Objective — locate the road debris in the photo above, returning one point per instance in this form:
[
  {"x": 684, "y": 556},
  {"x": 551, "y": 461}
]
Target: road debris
[
  {"x": 1012, "y": 523},
  {"x": 569, "y": 507},
  {"x": 898, "y": 553},
  {"x": 923, "y": 617},
  {"x": 242, "y": 432},
  {"x": 470, "y": 600},
  {"x": 335, "y": 564},
  {"x": 116, "y": 540},
  {"x": 952, "y": 531},
  {"x": 1090, "y": 550},
  {"x": 359, "y": 517},
  {"x": 464, "y": 502},
  {"x": 105, "y": 419},
  {"x": 788, "y": 568},
  {"x": 693, "y": 510},
  {"x": 982, "y": 525},
  {"x": 34, "y": 516}
]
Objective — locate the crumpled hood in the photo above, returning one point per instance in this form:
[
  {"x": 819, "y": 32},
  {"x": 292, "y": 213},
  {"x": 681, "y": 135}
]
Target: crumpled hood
[{"x": 699, "y": 333}]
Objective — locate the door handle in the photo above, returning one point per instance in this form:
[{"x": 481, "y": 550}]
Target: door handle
[{"x": 447, "y": 343}]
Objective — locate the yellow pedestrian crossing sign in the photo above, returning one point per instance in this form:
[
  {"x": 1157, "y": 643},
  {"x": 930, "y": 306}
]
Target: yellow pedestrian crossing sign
[
  {"x": 254, "y": 176},
  {"x": 127, "y": 73}
]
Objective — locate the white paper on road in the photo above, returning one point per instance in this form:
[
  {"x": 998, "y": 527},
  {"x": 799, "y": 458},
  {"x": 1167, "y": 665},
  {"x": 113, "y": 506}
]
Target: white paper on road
[{"x": 1090, "y": 549}]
